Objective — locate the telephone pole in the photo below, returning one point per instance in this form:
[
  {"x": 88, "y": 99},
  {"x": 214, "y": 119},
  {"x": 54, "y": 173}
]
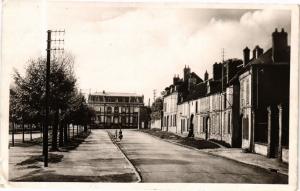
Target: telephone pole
[
  {"x": 154, "y": 95},
  {"x": 55, "y": 49}
]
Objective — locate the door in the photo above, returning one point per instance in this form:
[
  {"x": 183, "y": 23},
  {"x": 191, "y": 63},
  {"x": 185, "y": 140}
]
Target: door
[{"x": 207, "y": 128}]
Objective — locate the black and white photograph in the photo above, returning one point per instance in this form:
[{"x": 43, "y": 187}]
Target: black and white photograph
[{"x": 102, "y": 92}]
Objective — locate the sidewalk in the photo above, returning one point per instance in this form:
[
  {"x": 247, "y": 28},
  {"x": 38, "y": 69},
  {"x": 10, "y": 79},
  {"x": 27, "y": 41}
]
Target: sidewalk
[
  {"x": 235, "y": 154},
  {"x": 96, "y": 159},
  {"x": 250, "y": 158}
]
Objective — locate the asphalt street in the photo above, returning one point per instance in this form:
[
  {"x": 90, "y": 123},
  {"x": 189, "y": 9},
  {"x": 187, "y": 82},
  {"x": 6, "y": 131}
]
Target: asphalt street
[{"x": 160, "y": 161}]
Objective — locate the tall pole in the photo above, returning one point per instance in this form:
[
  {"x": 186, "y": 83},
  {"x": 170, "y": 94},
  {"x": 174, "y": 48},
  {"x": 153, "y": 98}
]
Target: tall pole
[{"x": 45, "y": 130}]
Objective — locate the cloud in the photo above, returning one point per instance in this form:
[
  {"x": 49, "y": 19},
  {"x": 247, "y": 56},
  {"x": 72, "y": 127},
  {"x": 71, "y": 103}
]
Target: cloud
[{"x": 140, "y": 49}]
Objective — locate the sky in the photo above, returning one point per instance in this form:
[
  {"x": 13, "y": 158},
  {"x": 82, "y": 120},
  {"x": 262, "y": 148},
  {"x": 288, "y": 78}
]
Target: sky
[{"x": 135, "y": 49}]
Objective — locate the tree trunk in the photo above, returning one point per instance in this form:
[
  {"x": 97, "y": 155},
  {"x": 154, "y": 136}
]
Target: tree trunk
[
  {"x": 30, "y": 131},
  {"x": 54, "y": 132},
  {"x": 73, "y": 129},
  {"x": 61, "y": 134},
  {"x": 13, "y": 134},
  {"x": 85, "y": 128},
  {"x": 23, "y": 135},
  {"x": 65, "y": 126},
  {"x": 41, "y": 128}
]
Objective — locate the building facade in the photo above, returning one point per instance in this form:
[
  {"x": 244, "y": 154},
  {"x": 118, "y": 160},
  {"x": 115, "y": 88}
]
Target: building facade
[
  {"x": 264, "y": 98},
  {"x": 245, "y": 104},
  {"x": 117, "y": 110}
]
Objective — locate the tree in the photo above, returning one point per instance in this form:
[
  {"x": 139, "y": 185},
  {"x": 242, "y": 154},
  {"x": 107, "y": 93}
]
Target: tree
[
  {"x": 156, "y": 108},
  {"x": 28, "y": 95}
]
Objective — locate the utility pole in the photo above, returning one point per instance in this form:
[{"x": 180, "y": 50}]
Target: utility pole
[
  {"x": 154, "y": 95},
  {"x": 223, "y": 95},
  {"x": 45, "y": 129}
]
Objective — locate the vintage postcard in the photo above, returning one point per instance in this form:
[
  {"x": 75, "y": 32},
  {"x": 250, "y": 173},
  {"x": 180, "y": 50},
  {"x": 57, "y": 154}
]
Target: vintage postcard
[{"x": 97, "y": 92}]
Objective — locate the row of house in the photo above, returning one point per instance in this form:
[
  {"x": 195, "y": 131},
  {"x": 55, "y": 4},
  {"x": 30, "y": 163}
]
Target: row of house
[{"x": 244, "y": 104}]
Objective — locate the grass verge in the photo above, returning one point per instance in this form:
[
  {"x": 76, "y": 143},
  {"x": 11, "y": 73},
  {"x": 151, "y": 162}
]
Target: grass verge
[{"x": 196, "y": 143}]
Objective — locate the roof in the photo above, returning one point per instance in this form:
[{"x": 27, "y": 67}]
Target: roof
[
  {"x": 264, "y": 60},
  {"x": 116, "y": 94},
  {"x": 198, "y": 91}
]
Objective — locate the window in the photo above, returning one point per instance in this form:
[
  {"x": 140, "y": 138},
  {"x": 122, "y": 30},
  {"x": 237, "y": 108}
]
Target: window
[
  {"x": 123, "y": 119},
  {"x": 123, "y": 109},
  {"x": 135, "y": 119},
  {"x": 171, "y": 121},
  {"x": 174, "y": 120},
  {"x": 165, "y": 107},
  {"x": 109, "y": 109},
  {"x": 247, "y": 92},
  {"x": 242, "y": 94},
  {"x": 116, "y": 110}
]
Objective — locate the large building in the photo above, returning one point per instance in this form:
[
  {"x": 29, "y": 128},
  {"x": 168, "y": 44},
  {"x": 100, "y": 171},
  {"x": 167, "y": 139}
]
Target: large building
[{"x": 115, "y": 110}]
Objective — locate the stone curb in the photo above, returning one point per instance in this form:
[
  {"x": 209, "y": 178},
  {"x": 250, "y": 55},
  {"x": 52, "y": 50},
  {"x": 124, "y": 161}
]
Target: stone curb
[
  {"x": 213, "y": 154},
  {"x": 126, "y": 158}
]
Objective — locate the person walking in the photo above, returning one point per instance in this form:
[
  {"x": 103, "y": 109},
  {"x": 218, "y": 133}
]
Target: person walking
[
  {"x": 120, "y": 135},
  {"x": 191, "y": 130}
]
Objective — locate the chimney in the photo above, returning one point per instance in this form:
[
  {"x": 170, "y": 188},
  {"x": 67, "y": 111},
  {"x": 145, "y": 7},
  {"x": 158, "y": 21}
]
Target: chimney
[
  {"x": 246, "y": 55},
  {"x": 186, "y": 73},
  {"x": 280, "y": 46},
  {"x": 254, "y": 54},
  {"x": 257, "y": 52},
  {"x": 103, "y": 91},
  {"x": 206, "y": 76},
  {"x": 217, "y": 71},
  {"x": 175, "y": 79}
]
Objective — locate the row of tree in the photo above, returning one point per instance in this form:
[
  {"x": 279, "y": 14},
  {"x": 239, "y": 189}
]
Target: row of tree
[{"x": 66, "y": 104}]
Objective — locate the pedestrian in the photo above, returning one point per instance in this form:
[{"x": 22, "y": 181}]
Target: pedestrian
[
  {"x": 120, "y": 135},
  {"x": 191, "y": 130},
  {"x": 116, "y": 134}
]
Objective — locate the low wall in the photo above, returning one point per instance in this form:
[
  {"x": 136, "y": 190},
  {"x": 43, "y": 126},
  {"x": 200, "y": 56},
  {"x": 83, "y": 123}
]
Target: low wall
[
  {"x": 200, "y": 135},
  {"x": 245, "y": 144},
  {"x": 285, "y": 155},
  {"x": 227, "y": 139},
  {"x": 156, "y": 124},
  {"x": 172, "y": 129},
  {"x": 261, "y": 148}
]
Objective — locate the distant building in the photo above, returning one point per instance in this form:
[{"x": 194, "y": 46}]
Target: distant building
[{"x": 114, "y": 110}]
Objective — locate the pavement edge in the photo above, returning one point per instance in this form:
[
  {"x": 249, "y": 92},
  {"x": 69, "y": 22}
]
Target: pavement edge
[{"x": 126, "y": 158}]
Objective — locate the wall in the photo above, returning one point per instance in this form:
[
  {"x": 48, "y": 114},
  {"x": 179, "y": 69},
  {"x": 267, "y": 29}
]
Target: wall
[
  {"x": 170, "y": 112},
  {"x": 183, "y": 116},
  {"x": 285, "y": 155},
  {"x": 261, "y": 149},
  {"x": 245, "y": 107},
  {"x": 156, "y": 124}
]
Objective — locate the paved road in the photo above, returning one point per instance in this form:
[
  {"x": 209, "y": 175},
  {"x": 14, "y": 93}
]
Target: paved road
[{"x": 160, "y": 161}]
